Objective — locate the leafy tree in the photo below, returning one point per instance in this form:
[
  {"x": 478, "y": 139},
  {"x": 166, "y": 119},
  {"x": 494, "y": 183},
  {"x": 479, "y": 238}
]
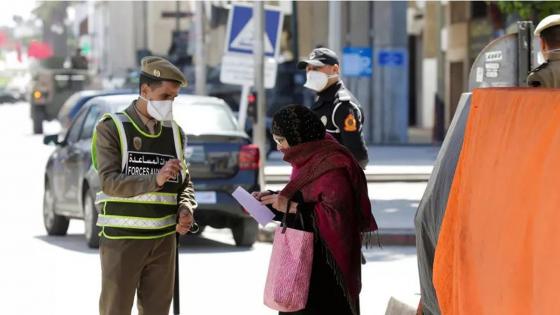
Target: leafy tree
[{"x": 533, "y": 10}]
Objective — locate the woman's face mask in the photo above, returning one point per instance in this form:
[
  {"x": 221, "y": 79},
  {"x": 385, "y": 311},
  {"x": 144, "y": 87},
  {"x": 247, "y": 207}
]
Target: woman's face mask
[
  {"x": 160, "y": 110},
  {"x": 317, "y": 80}
]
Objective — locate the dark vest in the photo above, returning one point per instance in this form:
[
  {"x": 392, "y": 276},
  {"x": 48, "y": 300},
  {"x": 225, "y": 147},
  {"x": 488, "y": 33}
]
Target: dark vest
[{"x": 150, "y": 215}]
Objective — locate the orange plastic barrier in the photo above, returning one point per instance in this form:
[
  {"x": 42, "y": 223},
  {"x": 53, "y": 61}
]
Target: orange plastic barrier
[{"x": 499, "y": 248}]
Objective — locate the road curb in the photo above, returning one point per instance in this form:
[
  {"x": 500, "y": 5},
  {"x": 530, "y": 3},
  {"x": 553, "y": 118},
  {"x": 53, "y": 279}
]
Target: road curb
[
  {"x": 397, "y": 237},
  {"x": 387, "y": 237}
]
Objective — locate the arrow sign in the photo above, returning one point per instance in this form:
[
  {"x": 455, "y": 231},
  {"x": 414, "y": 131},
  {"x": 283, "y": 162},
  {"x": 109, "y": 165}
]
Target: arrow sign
[
  {"x": 240, "y": 31},
  {"x": 245, "y": 39}
]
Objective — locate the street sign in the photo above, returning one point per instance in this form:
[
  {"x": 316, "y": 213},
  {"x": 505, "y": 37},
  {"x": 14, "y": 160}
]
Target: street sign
[
  {"x": 391, "y": 57},
  {"x": 240, "y": 31},
  {"x": 239, "y": 70},
  {"x": 238, "y": 60},
  {"x": 357, "y": 61}
]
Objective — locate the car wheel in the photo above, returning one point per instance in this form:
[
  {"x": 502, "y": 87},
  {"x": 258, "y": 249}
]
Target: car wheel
[
  {"x": 245, "y": 232},
  {"x": 54, "y": 224},
  {"x": 90, "y": 221}
]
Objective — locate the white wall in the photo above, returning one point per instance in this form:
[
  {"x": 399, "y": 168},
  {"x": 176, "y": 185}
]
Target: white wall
[
  {"x": 118, "y": 32},
  {"x": 160, "y": 29},
  {"x": 120, "y": 38},
  {"x": 429, "y": 89}
]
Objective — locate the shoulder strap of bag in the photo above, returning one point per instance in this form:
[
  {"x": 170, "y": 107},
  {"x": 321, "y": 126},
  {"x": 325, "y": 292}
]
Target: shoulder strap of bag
[{"x": 285, "y": 218}]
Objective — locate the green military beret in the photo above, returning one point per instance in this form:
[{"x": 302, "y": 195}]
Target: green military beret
[{"x": 161, "y": 69}]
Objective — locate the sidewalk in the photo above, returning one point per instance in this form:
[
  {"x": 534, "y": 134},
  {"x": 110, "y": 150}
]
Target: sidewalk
[
  {"x": 401, "y": 168},
  {"x": 387, "y": 164}
]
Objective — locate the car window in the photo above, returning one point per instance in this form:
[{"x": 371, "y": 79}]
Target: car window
[
  {"x": 74, "y": 132},
  {"x": 90, "y": 122},
  {"x": 68, "y": 104},
  {"x": 201, "y": 118}
]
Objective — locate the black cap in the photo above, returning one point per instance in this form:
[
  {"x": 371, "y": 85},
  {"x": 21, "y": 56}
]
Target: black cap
[{"x": 319, "y": 57}]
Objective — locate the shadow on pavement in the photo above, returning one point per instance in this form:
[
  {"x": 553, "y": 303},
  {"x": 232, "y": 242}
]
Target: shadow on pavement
[
  {"x": 73, "y": 242},
  {"x": 396, "y": 213},
  {"x": 192, "y": 244},
  {"x": 198, "y": 244}
]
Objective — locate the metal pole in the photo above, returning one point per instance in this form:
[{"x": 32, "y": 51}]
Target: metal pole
[
  {"x": 335, "y": 26},
  {"x": 441, "y": 77},
  {"x": 294, "y": 30},
  {"x": 145, "y": 23},
  {"x": 177, "y": 17},
  {"x": 370, "y": 138},
  {"x": 259, "y": 130},
  {"x": 176, "y": 295},
  {"x": 200, "y": 71},
  {"x": 243, "y": 105}
]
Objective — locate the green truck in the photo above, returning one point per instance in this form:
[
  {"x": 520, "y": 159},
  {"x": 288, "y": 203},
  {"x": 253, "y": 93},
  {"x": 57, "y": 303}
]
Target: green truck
[{"x": 50, "y": 88}]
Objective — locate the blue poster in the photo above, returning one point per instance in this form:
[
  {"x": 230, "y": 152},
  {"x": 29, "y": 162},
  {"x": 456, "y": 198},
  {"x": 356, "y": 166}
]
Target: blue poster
[{"x": 357, "y": 61}]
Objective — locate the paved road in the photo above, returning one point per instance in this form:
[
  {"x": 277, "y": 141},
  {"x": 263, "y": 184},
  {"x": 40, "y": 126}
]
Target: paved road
[{"x": 60, "y": 275}]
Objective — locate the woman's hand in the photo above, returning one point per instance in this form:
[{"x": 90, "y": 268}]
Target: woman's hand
[
  {"x": 293, "y": 207},
  {"x": 258, "y": 195},
  {"x": 279, "y": 203}
]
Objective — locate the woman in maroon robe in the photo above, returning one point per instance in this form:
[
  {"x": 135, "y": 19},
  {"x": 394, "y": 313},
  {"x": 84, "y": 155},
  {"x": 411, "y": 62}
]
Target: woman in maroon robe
[{"x": 328, "y": 189}]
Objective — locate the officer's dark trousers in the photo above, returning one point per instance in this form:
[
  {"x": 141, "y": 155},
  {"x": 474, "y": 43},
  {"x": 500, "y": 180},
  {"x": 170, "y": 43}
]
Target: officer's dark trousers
[{"x": 145, "y": 267}]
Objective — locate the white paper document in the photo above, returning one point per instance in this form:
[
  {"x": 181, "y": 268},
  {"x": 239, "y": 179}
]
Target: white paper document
[{"x": 261, "y": 213}]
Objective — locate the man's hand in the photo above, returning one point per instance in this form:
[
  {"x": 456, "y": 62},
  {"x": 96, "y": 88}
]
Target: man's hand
[
  {"x": 186, "y": 221},
  {"x": 168, "y": 171}
]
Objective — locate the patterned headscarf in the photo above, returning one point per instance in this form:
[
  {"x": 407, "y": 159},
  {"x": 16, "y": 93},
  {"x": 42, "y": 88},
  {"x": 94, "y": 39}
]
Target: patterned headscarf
[{"x": 298, "y": 124}]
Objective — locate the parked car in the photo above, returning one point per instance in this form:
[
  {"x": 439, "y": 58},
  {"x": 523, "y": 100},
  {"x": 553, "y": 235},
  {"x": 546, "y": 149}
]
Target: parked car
[
  {"x": 7, "y": 96},
  {"x": 74, "y": 103},
  {"x": 18, "y": 86},
  {"x": 220, "y": 159}
]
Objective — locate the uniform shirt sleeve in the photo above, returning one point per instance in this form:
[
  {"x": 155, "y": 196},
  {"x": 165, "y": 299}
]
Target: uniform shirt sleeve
[
  {"x": 349, "y": 119},
  {"x": 542, "y": 76},
  {"x": 108, "y": 156},
  {"x": 534, "y": 80},
  {"x": 187, "y": 199}
]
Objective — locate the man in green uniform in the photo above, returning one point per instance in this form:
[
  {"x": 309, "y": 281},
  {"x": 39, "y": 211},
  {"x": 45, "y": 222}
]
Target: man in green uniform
[
  {"x": 547, "y": 75},
  {"x": 146, "y": 190}
]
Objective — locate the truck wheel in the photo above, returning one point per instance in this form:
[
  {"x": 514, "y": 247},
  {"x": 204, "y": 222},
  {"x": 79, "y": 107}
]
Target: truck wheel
[
  {"x": 54, "y": 224},
  {"x": 37, "y": 122},
  {"x": 90, "y": 221},
  {"x": 245, "y": 232}
]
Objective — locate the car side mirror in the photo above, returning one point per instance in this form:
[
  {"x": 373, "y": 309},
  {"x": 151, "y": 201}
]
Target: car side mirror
[{"x": 47, "y": 140}]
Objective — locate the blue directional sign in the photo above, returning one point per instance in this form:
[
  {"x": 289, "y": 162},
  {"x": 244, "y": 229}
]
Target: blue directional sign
[
  {"x": 241, "y": 29},
  {"x": 391, "y": 57},
  {"x": 357, "y": 61}
]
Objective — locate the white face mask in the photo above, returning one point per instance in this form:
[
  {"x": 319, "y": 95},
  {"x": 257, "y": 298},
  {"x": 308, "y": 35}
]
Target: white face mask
[
  {"x": 160, "y": 110},
  {"x": 317, "y": 80}
]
